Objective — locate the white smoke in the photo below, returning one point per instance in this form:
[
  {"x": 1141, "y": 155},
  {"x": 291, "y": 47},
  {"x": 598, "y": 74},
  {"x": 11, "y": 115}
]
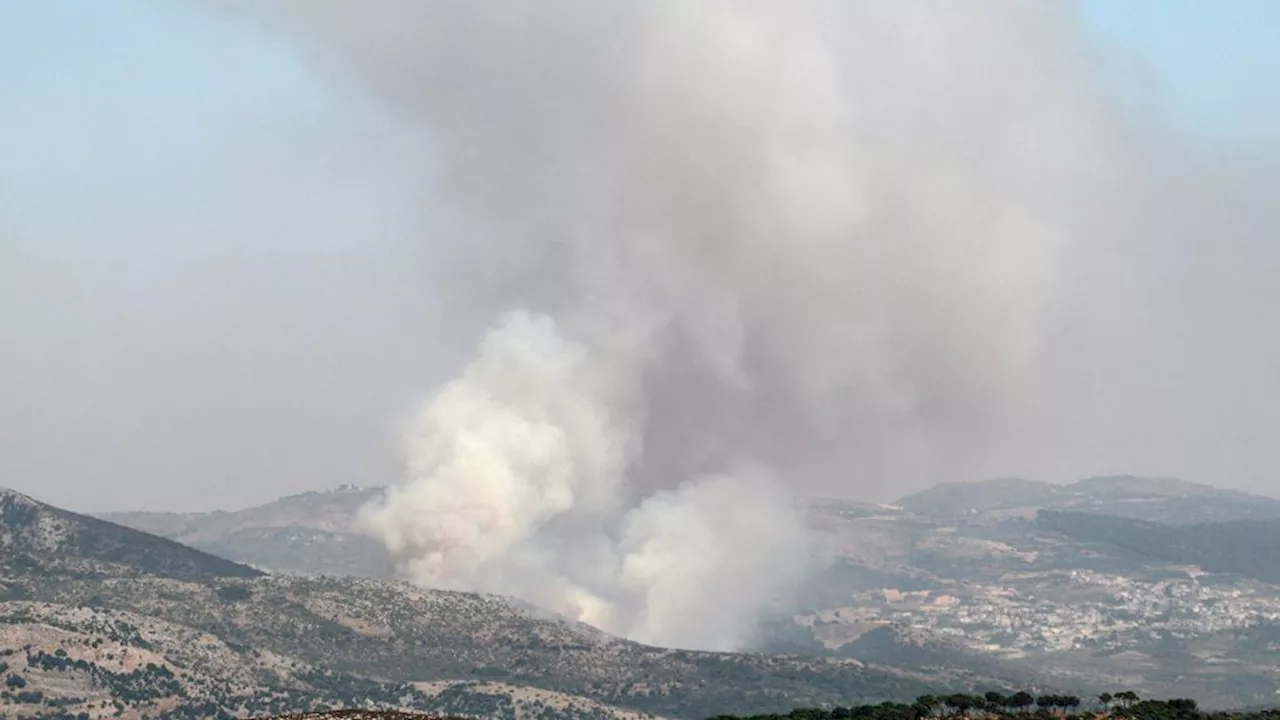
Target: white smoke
[
  {"x": 756, "y": 248},
  {"x": 514, "y": 479}
]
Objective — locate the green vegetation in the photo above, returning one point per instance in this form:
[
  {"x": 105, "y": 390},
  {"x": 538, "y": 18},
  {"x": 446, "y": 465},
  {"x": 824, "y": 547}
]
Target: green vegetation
[
  {"x": 233, "y": 593},
  {"x": 1125, "y": 705},
  {"x": 1244, "y": 547},
  {"x": 1153, "y": 499},
  {"x": 960, "y": 498}
]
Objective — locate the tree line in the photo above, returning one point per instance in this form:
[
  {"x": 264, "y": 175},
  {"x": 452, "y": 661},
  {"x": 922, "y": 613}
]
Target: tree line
[{"x": 1124, "y": 705}]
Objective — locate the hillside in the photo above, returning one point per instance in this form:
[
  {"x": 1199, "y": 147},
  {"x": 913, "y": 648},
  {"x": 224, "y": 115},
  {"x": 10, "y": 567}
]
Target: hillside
[
  {"x": 1245, "y": 547},
  {"x": 97, "y": 633},
  {"x": 967, "y": 570},
  {"x": 103, "y": 662},
  {"x": 376, "y": 629},
  {"x": 962, "y": 498},
  {"x": 330, "y": 510},
  {"x": 35, "y": 533},
  {"x": 1156, "y": 499},
  {"x": 957, "y": 576},
  {"x": 307, "y": 533}
]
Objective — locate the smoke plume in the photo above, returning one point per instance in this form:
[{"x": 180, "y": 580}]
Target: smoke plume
[{"x": 735, "y": 252}]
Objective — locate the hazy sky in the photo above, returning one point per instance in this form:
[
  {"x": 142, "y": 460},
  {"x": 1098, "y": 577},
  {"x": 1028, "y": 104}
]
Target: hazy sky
[{"x": 217, "y": 285}]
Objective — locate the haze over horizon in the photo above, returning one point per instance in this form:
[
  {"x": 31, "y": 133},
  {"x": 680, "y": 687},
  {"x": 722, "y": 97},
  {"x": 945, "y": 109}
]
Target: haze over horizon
[
  {"x": 232, "y": 266},
  {"x": 374, "y": 488}
]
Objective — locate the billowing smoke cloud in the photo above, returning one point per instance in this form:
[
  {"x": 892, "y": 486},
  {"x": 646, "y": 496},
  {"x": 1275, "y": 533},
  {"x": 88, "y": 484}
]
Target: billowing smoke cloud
[
  {"x": 515, "y": 482},
  {"x": 748, "y": 250}
]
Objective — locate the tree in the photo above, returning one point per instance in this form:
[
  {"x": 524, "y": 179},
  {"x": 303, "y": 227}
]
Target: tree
[
  {"x": 1105, "y": 700},
  {"x": 1022, "y": 700},
  {"x": 930, "y": 703},
  {"x": 961, "y": 703},
  {"x": 1128, "y": 697}
]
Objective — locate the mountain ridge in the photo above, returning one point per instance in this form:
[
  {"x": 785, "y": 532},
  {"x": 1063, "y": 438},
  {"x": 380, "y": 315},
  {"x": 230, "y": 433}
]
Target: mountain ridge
[
  {"x": 32, "y": 528},
  {"x": 302, "y": 533},
  {"x": 1147, "y": 498}
]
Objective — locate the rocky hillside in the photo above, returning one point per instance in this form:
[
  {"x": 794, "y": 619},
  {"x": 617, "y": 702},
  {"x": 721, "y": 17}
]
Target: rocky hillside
[
  {"x": 439, "y": 644},
  {"x": 107, "y": 637},
  {"x": 61, "y": 662},
  {"x": 361, "y": 715},
  {"x": 36, "y": 533}
]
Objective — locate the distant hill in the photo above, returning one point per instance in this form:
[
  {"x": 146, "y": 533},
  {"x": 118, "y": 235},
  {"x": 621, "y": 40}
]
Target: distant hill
[
  {"x": 1157, "y": 499},
  {"x": 320, "y": 510},
  {"x": 1056, "y": 580},
  {"x": 307, "y": 533},
  {"x": 311, "y": 533},
  {"x": 1244, "y": 547},
  {"x": 962, "y": 498},
  {"x": 1131, "y": 486},
  {"x": 40, "y": 535}
]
